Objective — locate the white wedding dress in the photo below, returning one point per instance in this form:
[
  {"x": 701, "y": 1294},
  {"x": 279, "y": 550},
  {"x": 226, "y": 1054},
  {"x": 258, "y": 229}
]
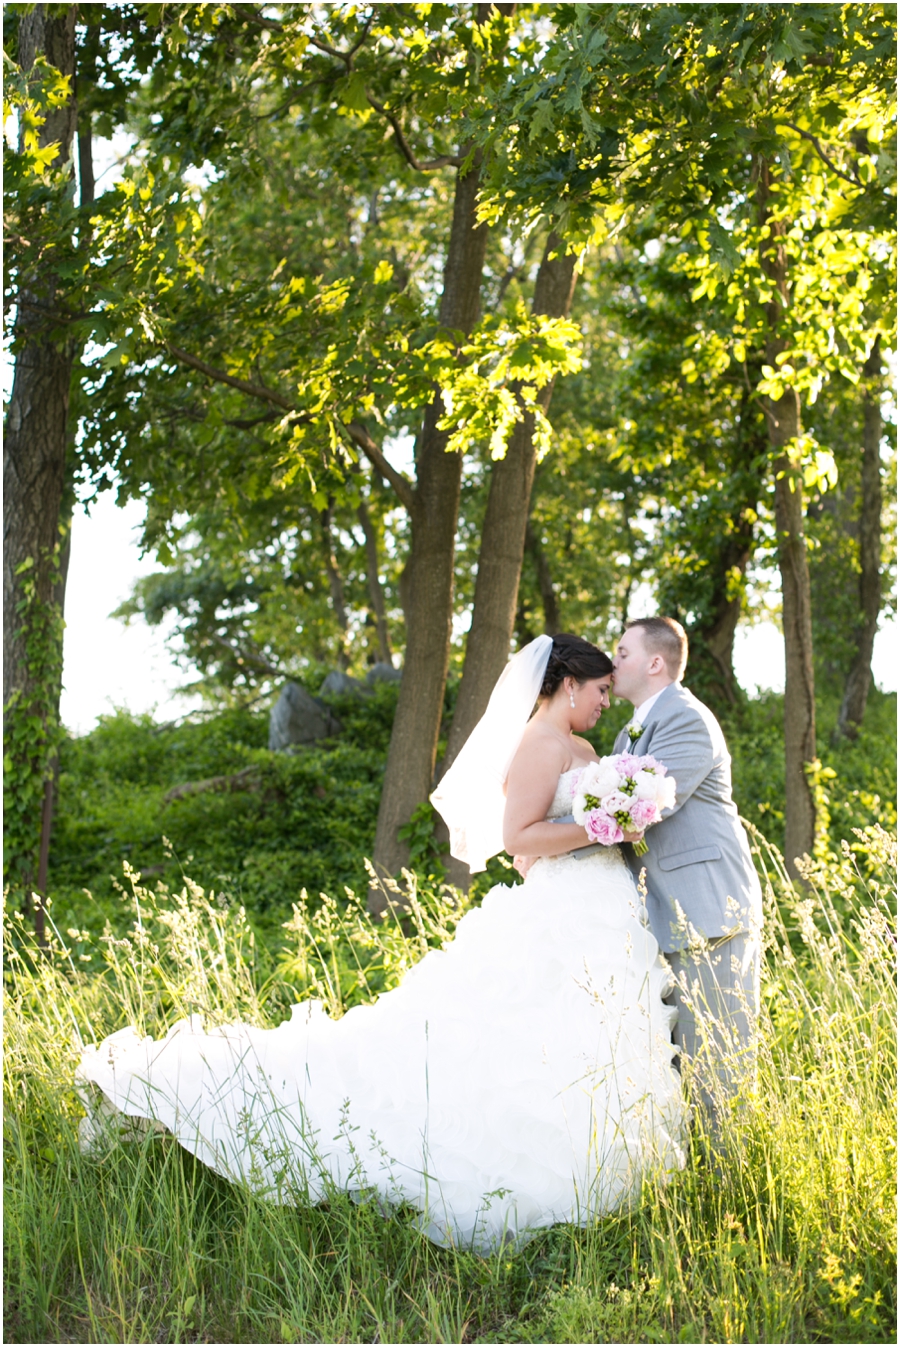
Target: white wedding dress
[{"x": 520, "y": 1077}]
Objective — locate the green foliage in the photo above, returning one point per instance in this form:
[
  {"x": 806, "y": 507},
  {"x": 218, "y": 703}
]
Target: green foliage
[
  {"x": 786, "y": 1235},
  {"x": 345, "y": 957},
  {"x": 288, "y": 822},
  {"x": 50, "y": 236},
  {"x": 494, "y": 379},
  {"x": 249, "y": 584},
  {"x": 308, "y": 273},
  {"x": 664, "y": 129},
  {"x": 273, "y": 228},
  {"x": 857, "y": 780},
  {"x": 306, "y": 821},
  {"x": 424, "y": 851},
  {"x": 31, "y": 730},
  {"x": 612, "y": 116},
  {"x": 833, "y": 531},
  {"x": 302, "y": 272}
]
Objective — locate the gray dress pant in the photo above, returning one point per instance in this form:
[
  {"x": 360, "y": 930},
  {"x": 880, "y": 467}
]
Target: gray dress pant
[{"x": 717, "y": 995}]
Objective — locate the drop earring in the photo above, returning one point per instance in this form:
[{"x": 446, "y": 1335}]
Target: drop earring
[{"x": 572, "y": 700}]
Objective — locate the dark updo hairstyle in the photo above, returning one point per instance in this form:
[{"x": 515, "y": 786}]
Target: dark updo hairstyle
[{"x": 571, "y": 657}]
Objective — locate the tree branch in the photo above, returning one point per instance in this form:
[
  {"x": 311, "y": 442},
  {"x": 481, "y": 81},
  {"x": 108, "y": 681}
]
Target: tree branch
[
  {"x": 292, "y": 98},
  {"x": 249, "y": 422},
  {"x": 402, "y": 485},
  {"x": 345, "y": 56},
  {"x": 854, "y": 181},
  {"x": 429, "y": 165},
  {"x": 356, "y": 430},
  {"x": 175, "y": 413},
  {"x": 332, "y": 51},
  {"x": 271, "y": 25},
  {"x": 365, "y": 33},
  {"x": 243, "y": 656},
  {"x": 252, "y": 390},
  {"x": 242, "y": 780},
  {"x": 426, "y": 166}
]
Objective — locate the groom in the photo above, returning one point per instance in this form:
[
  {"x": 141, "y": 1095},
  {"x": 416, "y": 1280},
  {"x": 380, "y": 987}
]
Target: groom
[{"x": 703, "y": 894}]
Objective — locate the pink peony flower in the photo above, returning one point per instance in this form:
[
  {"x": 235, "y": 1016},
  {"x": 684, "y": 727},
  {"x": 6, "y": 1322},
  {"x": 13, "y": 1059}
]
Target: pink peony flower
[
  {"x": 603, "y": 829},
  {"x": 644, "y": 812},
  {"x": 615, "y": 802},
  {"x": 649, "y": 763},
  {"x": 647, "y": 785},
  {"x": 627, "y": 764},
  {"x": 600, "y": 777}
]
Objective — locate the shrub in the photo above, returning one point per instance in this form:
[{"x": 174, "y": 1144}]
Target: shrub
[{"x": 290, "y": 822}]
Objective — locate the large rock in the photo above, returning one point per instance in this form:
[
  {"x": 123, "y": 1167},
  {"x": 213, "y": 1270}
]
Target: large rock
[
  {"x": 299, "y": 718},
  {"x": 340, "y": 684},
  {"x": 383, "y": 673}
]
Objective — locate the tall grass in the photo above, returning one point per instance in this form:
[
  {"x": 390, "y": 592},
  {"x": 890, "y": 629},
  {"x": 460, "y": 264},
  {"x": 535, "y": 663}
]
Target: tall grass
[{"x": 784, "y": 1232}]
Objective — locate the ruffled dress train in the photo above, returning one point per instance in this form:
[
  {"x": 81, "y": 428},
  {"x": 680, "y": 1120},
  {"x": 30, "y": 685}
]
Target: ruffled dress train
[{"x": 520, "y": 1077}]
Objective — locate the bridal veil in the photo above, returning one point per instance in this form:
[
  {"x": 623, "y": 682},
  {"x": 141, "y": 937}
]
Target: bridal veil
[{"x": 470, "y": 796}]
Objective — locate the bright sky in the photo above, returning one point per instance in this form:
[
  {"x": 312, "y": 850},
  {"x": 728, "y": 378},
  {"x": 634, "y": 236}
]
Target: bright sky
[{"x": 107, "y": 664}]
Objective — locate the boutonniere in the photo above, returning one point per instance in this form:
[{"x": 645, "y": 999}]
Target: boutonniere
[{"x": 635, "y": 730}]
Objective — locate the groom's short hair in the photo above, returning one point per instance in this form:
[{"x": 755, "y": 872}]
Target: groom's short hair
[{"x": 664, "y": 636}]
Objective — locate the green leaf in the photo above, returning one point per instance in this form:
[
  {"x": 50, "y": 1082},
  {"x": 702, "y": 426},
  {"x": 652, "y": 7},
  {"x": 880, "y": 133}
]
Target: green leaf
[
  {"x": 353, "y": 94},
  {"x": 521, "y": 359},
  {"x": 541, "y": 120}
]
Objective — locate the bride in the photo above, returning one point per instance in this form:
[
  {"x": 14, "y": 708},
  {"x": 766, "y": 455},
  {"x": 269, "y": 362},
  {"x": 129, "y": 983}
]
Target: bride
[{"x": 518, "y": 1078}]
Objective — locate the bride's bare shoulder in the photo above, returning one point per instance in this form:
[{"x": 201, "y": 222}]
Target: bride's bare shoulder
[
  {"x": 587, "y": 749},
  {"x": 542, "y": 749}
]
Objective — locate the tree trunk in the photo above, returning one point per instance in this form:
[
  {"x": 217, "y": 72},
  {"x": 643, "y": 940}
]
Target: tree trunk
[
  {"x": 712, "y": 641},
  {"x": 335, "y": 582},
  {"x": 856, "y": 692},
  {"x": 632, "y": 558},
  {"x": 784, "y": 428},
  {"x": 67, "y": 509},
  {"x": 34, "y": 470},
  {"x": 429, "y": 602},
  {"x": 37, "y": 416},
  {"x": 376, "y": 593},
  {"x": 503, "y": 546},
  {"x": 718, "y": 639},
  {"x": 799, "y": 687},
  {"x": 505, "y": 524},
  {"x": 535, "y": 549},
  {"x": 33, "y": 478},
  {"x": 86, "y": 160}
]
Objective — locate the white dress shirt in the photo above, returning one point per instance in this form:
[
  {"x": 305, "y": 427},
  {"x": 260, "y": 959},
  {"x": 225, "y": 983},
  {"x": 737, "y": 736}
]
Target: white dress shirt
[{"x": 643, "y": 711}]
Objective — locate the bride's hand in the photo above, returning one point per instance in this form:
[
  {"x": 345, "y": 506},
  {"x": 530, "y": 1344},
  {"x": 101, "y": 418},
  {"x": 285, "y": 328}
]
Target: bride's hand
[
  {"x": 633, "y": 837},
  {"x": 523, "y": 864}
]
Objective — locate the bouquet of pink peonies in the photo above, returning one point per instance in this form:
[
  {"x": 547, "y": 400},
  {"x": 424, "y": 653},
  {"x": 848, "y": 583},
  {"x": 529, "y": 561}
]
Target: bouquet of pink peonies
[{"x": 622, "y": 794}]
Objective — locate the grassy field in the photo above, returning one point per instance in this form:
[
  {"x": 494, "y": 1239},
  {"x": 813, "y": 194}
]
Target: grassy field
[{"x": 788, "y": 1236}]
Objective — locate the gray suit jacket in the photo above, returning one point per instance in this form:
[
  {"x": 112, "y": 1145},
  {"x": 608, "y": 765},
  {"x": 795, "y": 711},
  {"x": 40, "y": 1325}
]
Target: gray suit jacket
[{"x": 699, "y": 857}]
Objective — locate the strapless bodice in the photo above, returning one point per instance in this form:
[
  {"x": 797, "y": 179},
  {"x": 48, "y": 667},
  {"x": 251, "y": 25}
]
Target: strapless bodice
[{"x": 561, "y": 803}]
